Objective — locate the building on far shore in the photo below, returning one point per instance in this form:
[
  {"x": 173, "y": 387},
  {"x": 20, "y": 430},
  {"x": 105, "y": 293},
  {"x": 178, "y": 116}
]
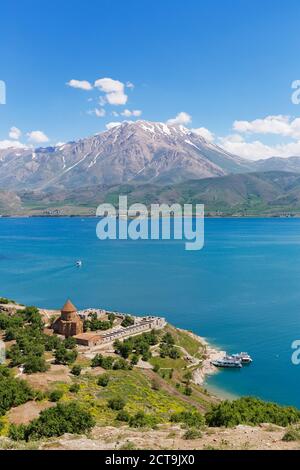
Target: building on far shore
[{"x": 69, "y": 322}]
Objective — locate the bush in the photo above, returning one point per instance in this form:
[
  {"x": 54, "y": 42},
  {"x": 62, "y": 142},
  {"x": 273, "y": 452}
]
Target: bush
[
  {"x": 192, "y": 419},
  {"x": 116, "y": 404},
  {"x": 134, "y": 360},
  {"x": 34, "y": 364},
  {"x": 121, "y": 364},
  {"x": 192, "y": 434},
  {"x": 17, "y": 433},
  {"x": 13, "y": 392},
  {"x": 65, "y": 356},
  {"x": 103, "y": 380},
  {"x": 55, "y": 395},
  {"x": 76, "y": 370},
  {"x": 74, "y": 388},
  {"x": 69, "y": 343},
  {"x": 174, "y": 353},
  {"x": 53, "y": 422},
  {"x": 292, "y": 434},
  {"x": 128, "y": 321},
  {"x": 142, "y": 420},
  {"x": 40, "y": 396},
  {"x": 156, "y": 368},
  {"x": 188, "y": 391},
  {"x": 123, "y": 416},
  {"x": 249, "y": 410}
]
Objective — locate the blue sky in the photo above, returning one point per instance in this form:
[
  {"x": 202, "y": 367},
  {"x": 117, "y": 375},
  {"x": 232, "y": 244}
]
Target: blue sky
[{"x": 217, "y": 61}]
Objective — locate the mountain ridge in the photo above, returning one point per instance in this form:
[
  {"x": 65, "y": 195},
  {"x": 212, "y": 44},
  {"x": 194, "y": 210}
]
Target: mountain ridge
[{"x": 133, "y": 151}]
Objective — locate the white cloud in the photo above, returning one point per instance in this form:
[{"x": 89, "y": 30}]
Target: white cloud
[
  {"x": 111, "y": 125},
  {"x": 134, "y": 112},
  {"x": 100, "y": 112},
  {"x": 130, "y": 85},
  {"x": 205, "y": 133},
  {"x": 14, "y": 133},
  {"x": 279, "y": 124},
  {"x": 7, "y": 144},
  {"x": 80, "y": 84},
  {"x": 182, "y": 118},
  {"x": 113, "y": 89},
  {"x": 256, "y": 149},
  {"x": 37, "y": 137}
]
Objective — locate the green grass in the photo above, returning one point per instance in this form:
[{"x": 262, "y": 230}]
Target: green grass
[
  {"x": 168, "y": 363},
  {"x": 190, "y": 344},
  {"x": 134, "y": 388}
]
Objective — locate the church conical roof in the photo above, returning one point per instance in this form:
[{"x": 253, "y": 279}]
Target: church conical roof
[{"x": 69, "y": 307}]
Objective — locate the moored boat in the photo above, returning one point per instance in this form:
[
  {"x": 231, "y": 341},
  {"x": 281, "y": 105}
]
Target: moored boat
[
  {"x": 244, "y": 357},
  {"x": 228, "y": 362}
]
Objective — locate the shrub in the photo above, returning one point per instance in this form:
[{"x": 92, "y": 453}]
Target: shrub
[
  {"x": 13, "y": 392},
  {"x": 63, "y": 418},
  {"x": 123, "y": 416},
  {"x": 34, "y": 364},
  {"x": 134, "y": 359},
  {"x": 69, "y": 343},
  {"x": 55, "y": 395},
  {"x": 192, "y": 434},
  {"x": 188, "y": 391},
  {"x": 76, "y": 370},
  {"x": 249, "y": 410},
  {"x": 40, "y": 396},
  {"x": 142, "y": 420},
  {"x": 174, "y": 353},
  {"x": 128, "y": 321},
  {"x": 17, "y": 433},
  {"x": 292, "y": 434},
  {"x": 156, "y": 368},
  {"x": 74, "y": 388},
  {"x": 116, "y": 404},
  {"x": 103, "y": 380},
  {"x": 65, "y": 356},
  {"x": 192, "y": 419},
  {"x": 121, "y": 364}
]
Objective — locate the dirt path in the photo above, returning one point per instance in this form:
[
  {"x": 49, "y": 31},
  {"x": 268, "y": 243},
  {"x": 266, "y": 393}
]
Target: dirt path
[{"x": 172, "y": 390}]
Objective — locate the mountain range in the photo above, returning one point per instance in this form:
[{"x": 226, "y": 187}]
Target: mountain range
[{"x": 149, "y": 160}]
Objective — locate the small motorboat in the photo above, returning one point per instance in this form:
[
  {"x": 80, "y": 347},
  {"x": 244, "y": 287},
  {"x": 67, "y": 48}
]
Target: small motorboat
[
  {"x": 244, "y": 357},
  {"x": 79, "y": 263}
]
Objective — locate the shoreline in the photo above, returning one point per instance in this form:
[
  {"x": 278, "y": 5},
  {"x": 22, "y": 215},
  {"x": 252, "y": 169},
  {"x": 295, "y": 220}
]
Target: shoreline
[{"x": 206, "y": 369}]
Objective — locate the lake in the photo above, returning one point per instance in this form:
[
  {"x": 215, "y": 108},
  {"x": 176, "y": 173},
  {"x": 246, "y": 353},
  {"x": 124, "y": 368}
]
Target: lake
[{"x": 241, "y": 291}]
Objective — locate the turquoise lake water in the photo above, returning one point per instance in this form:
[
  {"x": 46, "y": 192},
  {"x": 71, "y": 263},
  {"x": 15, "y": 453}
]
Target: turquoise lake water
[{"x": 242, "y": 291}]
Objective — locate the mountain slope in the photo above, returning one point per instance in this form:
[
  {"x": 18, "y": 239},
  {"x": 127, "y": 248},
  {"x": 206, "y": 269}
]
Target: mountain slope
[
  {"x": 134, "y": 151},
  {"x": 260, "y": 193},
  {"x": 291, "y": 164}
]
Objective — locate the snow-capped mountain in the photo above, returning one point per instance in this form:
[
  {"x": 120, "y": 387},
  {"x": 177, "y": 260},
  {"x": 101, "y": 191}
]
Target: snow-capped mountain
[{"x": 140, "y": 151}]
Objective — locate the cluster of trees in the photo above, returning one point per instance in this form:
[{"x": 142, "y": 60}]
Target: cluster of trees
[
  {"x": 26, "y": 329},
  {"x": 65, "y": 353},
  {"x": 249, "y": 410},
  {"x": 110, "y": 363},
  {"x": 94, "y": 324},
  {"x": 13, "y": 392},
  {"x": 128, "y": 321},
  {"x": 63, "y": 418},
  {"x": 137, "y": 346},
  {"x": 168, "y": 348}
]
